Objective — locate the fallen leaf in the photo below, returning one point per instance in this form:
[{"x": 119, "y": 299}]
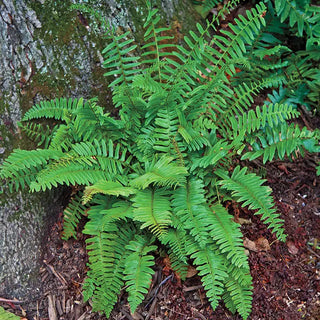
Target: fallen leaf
[
  {"x": 263, "y": 244},
  {"x": 191, "y": 272},
  {"x": 292, "y": 248},
  {"x": 244, "y": 221},
  {"x": 283, "y": 168},
  {"x": 249, "y": 244}
]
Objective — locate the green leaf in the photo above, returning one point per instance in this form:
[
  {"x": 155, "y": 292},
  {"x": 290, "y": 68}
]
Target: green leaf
[{"x": 107, "y": 187}]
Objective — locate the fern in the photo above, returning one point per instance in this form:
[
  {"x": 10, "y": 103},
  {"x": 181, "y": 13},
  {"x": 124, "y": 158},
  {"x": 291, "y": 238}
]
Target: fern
[
  {"x": 227, "y": 236},
  {"x": 211, "y": 269},
  {"x": 237, "y": 295},
  {"x": 161, "y": 173},
  {"x": 281, "y": 141},
  {"x": 138, "y": 271},
  {"x": 152, "y": 208},
  {"x": 294, "y": 11},
  {"x": 189, "y": 206},
  {"x": 107, "y": 262},
  {"x": 247, "y": 188},
  {"x": 155, "y": 172},
  {"x": 116, "y": 57},
  {"x": 71, "y": 217},
  {"x": 58, "y": 109}
]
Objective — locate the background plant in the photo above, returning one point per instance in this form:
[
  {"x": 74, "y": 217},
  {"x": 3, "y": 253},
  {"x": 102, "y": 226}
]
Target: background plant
[{"x": 157, "y": 174}]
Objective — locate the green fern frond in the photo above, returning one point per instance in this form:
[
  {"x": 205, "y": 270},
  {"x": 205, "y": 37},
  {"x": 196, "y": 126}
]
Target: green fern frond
[
  {"x": 175, "y": 240},
  {"x": 166, "y": 128},
  {"x": 105, "y": 210},
  {"x": 137, "y": 270},
  {"x": 294, "y": 10},
  {"x": 156, "y": 45},
  {"x": 146, "y": 83},
  {"x": 271, "y": 116},
  {"x": 238, "y": 291},
  {"x": 281, "y": 141},
  {"x": 59, "y": 109},
  {"x": 238, "y": 102},
  {"x": 227, "y": 236},
  {"x": 21, "y": 160},
  {"x": 22, "y": 166},
  {"x": 107, "y": 258},
  {"x": 152, "y": 208},
  {"x": 62, "y": 138},
  {"x": 119, "y": 57},
  {"x": 194, "y": 136},
  {"x": 211, "y": 269},
  {"x": 66, "y": 174},
  {"x": 113, "y": 159},
  {"x": 106, "y": 187},
  {"x": 178, "y": 266},
  {"x": 211, "y": 156},
  {"x": 38, "y": 133},
  {"x": 188, "y": 205},
  {"x": 232, "y": 45},
  {"x": 163, "y": 172},
  {"x": 71, "y": 217},
  {"x": 247, "y": 188}
]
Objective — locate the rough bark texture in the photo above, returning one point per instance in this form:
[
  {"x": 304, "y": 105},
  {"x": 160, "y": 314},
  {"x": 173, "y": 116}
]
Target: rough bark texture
[{"x": 48, "y": 51}]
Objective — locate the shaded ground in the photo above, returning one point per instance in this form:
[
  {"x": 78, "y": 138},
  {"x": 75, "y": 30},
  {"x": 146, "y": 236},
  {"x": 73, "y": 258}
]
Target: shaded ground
[{"x": 286, "y": 277}]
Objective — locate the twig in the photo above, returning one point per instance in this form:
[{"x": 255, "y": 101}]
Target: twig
[
  {"x": 150, "y": 312},
  {"x": 192, "y": 288},
  {"x": 10, "y": 301},
  {"x": 59, "y": 276},
  {"x": 181, "y": 314},
  {"x": 156, "y": 292},
  {"x": 198, "y": 314},
  {"x": 126, "y": 314},
  {"x": 313, "y": 252}
]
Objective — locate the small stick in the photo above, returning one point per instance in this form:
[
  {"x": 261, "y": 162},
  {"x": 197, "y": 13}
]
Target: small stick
[
  {"x": 313, "y": 252},
  {"x": 151, "y": 308},
  {"x": 10, "y": 301},
  {"x": 156, "y": 292},
  {"x": 192, "y": 288},
  {"x": 198, "y": 314},
  {"x": 58, "y": 275}
]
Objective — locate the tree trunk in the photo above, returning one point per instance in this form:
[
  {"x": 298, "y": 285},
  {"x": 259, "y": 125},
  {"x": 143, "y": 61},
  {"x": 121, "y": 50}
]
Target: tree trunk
[{"x": 48, "y": 51}]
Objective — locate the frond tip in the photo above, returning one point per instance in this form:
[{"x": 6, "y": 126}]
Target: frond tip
[
  {"x": 247, "y": 188},
  {"x": 137, "y": 270}
]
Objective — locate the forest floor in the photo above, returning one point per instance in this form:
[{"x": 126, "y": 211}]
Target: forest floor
[{"x": 286, "y": 276}]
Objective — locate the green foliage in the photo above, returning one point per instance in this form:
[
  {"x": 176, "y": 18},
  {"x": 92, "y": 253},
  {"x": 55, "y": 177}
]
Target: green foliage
[
  {"x": 154, "y": 176},
  {"x": 5, "y": 315},
  {"x": 71, "y": 217},
  {"x": 288, "y": 48},
  {"x": 137, "y": 269}
]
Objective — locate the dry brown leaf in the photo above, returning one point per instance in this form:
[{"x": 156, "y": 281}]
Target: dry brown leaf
[
  {"x": 251, "y": 245},
  {"x": 244, "y": 221},
  {"x": 191, "y": 272},
  {"x": 263, "y": 244},
  {"x": 292, "y": 248}
]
